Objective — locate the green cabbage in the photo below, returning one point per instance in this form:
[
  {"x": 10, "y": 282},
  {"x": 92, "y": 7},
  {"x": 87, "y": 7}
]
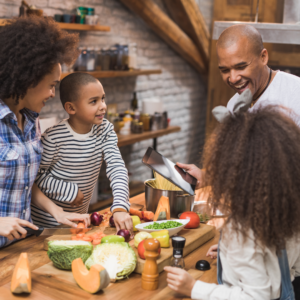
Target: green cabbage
[
  {"x": 118, "y": 259},
  {"x": 62, "y": 253}
]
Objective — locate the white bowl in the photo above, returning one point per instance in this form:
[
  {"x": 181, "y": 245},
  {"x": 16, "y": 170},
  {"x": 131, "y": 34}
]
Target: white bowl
[{"x": 172, "y": 231}]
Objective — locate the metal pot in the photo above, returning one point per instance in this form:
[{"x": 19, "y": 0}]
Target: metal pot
[{"x": 179, "y": 200}]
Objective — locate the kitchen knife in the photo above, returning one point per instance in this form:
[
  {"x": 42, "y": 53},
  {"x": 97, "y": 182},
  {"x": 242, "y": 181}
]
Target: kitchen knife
[{"x": 55, "y": 231}]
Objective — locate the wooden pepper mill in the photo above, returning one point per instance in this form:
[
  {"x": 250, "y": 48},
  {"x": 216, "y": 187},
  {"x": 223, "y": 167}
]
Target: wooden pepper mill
[{"x": 150, "y": 273}]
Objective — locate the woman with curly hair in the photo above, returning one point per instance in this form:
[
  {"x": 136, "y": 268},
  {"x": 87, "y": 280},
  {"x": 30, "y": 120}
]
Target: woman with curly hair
[
  {"x": 31, "y": 53},
  {"x": 252, "y": 165}
]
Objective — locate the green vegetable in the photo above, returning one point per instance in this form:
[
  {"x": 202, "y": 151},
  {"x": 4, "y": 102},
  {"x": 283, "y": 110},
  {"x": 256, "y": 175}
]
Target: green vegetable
[
  {"x": 118, "y": 259},
  {"x": 62, "y": 253},
  {"x": 113, "y": 239},
  {"x": 203, "y": 217},
  {"x": 164, "y": 225}
]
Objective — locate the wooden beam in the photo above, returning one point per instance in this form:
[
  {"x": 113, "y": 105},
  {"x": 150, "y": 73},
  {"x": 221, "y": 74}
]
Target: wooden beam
[
  {"x": 188, "y": 16},
  {"x": 156, "y": 19}
]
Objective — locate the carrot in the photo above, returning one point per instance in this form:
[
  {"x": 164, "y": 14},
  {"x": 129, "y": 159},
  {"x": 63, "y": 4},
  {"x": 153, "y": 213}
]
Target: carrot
[
  {"x": 80, "y": 225},
  {"x": 96, "y": 242},
  {"x": 87, "y": 239},
  {"x": 80, "y": 235},
  {"x": 74, "y": 238},
  {"x": 136, "y": 212},
  {"x": 148, "y": 215}
]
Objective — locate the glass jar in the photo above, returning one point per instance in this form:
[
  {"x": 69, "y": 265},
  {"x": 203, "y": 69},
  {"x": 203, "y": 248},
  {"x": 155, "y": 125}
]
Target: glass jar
[
  {"x": 105, "y": 59},
  {"x": 90, "y": 66},
  {"x": 114, "y": 58},
  {"x": 132, "y": 56},
  {"x": 98, "y": 58},
  {"x": 125, "y": 58},
  {"x": 81, "y": 62},
  {"x": 145, "y": 119}
]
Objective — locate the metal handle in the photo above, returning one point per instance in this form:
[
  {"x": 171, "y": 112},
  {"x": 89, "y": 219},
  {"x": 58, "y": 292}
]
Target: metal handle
[{"x": 33, "y": 231}]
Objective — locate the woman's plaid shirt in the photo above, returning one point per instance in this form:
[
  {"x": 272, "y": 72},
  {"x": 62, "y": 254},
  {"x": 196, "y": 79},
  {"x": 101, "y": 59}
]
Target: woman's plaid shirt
[{"x": 20, "y": 156}]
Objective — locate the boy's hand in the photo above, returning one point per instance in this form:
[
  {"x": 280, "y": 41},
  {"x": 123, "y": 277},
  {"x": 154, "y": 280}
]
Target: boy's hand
[
  {"x": 67, "y": 218},
  {"x": 12, "y": 228},
  {"x": 79, "y": 199},
  {"x": 123, "y": 221},
  {"x": 180, "y": 281},
  {"x": 213, "y": 251}
]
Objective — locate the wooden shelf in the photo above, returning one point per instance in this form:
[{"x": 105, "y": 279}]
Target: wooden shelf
[
  {"x": 112, "y": 74},
  {"x": 125, "y": 140},
  {"x": 83, "y": 27},
  {"x": 73, "y": 26}
]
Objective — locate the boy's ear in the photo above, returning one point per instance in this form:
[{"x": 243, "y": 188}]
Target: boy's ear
[{"x": 70, "y": 108}]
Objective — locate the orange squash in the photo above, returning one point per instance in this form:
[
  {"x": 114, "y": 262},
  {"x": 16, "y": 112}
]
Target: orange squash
[
  {"x": 163, "y": 208},
  {"x": 21, "y": 278},
  {"x": 92, "y": 280}
]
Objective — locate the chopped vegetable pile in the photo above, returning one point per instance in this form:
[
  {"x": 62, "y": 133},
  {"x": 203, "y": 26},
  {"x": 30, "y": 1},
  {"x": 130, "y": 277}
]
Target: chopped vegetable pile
[
  {"x": 164, "y": 225},
  {"x": 94, "y": 238}
]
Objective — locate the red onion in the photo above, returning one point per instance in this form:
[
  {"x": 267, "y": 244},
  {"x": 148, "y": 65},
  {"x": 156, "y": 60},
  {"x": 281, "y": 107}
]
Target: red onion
[
  {"x": 96, "y": 219},
  {"x": 112, "y": 222},
  {"x": 125, "y": 233}
]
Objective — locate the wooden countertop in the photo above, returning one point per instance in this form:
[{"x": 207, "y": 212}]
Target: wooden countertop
[{"x": 130, "y": 288}]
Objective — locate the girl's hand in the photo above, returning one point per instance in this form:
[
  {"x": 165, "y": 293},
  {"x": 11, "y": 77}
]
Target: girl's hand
[
  {"x": 194, "y": 171},
  {"x": 12, "y": 228},
  {"x": 123, "y": 221},
  {"x": 67, "y": 218},
  {"x": 180, "y": 281},
  {"x": 213, "y": 251}
]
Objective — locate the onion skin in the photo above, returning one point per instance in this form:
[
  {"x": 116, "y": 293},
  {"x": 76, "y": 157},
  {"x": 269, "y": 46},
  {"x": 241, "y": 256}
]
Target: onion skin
[
  {"x": 125, "y": 234},
  {"x": 112, "y": 222},
  {"x": 96, "y": 219}
]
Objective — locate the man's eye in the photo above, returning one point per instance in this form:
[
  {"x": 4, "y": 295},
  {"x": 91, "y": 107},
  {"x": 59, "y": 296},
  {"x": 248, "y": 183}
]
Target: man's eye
[
  {"x": 93, "y": 102},
  {"x": 241, "y": 68},
  {"x": 224, "y": 71}
]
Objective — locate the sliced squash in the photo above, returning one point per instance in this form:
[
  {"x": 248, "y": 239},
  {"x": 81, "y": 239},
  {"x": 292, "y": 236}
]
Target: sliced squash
[
  {"x": 21, "y": 278},
  {"x": 92, "y": 280},
  {"x": 163, "y": 209}
]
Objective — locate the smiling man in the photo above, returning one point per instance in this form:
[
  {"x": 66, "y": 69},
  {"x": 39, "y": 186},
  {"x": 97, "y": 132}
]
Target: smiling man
[{"x": 243, "y": 65}]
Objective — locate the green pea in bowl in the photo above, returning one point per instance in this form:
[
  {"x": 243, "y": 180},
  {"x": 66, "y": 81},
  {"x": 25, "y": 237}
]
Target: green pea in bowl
[{"x": 172, "y": 231}]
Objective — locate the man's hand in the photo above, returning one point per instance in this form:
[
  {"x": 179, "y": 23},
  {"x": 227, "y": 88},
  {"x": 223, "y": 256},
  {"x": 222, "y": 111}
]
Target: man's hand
[
  {"x": 123, "y": 221},
  {"x": 213, "y": 251},
  {"x": 79, "y": 199},
  {"x": 12, "y": 228},
  {"x": 194, "y": 171},
  {"x": 67, "y": 218},
  {"x": 180, "y": 281}
]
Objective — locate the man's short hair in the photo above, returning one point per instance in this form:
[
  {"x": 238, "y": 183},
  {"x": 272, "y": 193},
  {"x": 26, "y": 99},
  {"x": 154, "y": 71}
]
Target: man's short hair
[
  {"x": 71, "y": 85},
  {"x": 234, "y": 33}
]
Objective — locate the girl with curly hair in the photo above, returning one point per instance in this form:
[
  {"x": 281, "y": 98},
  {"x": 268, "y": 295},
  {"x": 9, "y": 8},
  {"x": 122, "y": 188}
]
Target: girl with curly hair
[
  {"x": 31, "y": 53},
  {"x": 252, "y": 165}
]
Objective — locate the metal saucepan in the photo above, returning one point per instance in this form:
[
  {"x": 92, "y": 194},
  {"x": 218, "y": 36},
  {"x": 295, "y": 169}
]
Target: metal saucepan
[{"x": 179, "y": 200}]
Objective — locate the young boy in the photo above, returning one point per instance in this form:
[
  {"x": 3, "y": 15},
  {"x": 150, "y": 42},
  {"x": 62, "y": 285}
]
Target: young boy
[{"x": 74, "y": 151}]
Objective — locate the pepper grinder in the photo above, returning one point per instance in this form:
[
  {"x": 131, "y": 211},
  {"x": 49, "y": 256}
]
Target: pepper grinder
[
  {"x": 150, "y": 272},
  {"x": 178, "y": 243}
]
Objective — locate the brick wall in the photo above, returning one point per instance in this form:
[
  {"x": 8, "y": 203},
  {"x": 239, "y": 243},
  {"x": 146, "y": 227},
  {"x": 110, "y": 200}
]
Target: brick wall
[{"x": 180, "y": 87}]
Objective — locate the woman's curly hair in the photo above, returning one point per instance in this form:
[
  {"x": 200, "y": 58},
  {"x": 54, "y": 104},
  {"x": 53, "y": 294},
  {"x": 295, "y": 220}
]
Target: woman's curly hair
[
  {"x": 29, "y": 49},
  {"x": 252, "y": 163}
]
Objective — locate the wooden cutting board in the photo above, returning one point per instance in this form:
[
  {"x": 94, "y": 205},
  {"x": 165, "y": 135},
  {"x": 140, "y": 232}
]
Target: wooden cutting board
[
  {"x": 194, "y": 239},
  {"x": 50, "y": 283}
]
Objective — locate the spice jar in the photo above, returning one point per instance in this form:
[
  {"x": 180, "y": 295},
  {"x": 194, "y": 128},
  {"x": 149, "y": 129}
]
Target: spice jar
[
  {"x": 81, "y": 62},
  {"x": 105, "y": 59},
  {"x": 90, "y": 66},
  {"x": 98, "y": 58},
  {"x": 146, "y": 120}
]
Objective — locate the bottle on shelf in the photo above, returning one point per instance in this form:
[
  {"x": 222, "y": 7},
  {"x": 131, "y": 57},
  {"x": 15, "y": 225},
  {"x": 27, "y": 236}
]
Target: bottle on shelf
[{"x": 134, "y": 102}]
